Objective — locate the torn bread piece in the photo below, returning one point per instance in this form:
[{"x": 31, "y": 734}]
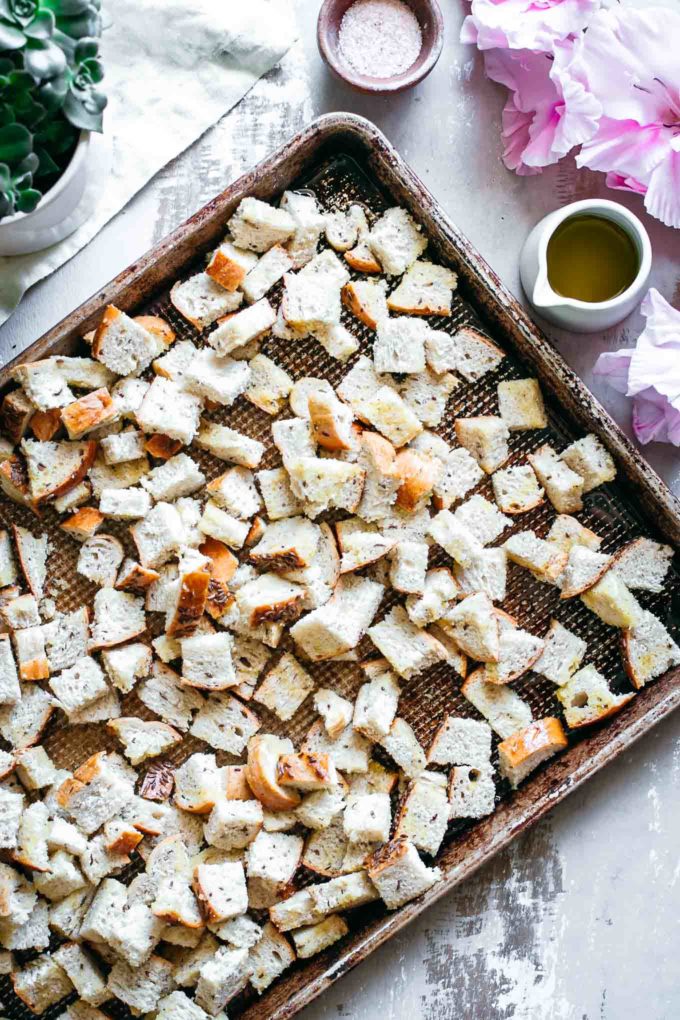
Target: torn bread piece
[
  {"x": 486, "y": 438},
  {"x": 460, "y": 741},
  {"x": 207, "y": 662},
  {"x": 423, "y": 813},
  {"x": 408, "y": 566},
  {"x": 525, "y": 750},
  {"x": 93, "y": 411},
  {"x": 225, "y": 723},
  {"x": 399, "y": 874},
  {"x": 427, "y": 394},
  {"x": 376, "y": 705},
  {"x": 201, "y": 300},
  {"x": 269, "y": 598},
  {"x": 215, "y": 378},
  {"x": 124, "y": 346},
  {"x": 612, "y": 601},
  {"x": 270, "y": 268},
  {"x": 54, "y": 468},
  {"x": 349, "y": 752},
  {"x": 332, "y": 423},
  {"x": 543, "y": 559},
  {"x": 454, "y": 538},
  {"x": 335, "y": 711},
  {"x": 324, "y": 483},
  {"x": 648, "y": 650},
  {"x": 32, "y": 555},
  {"x": 404, "y": 748},
  {"x": 127, "y": 664},
  {"x": 229, "y": 265},
  {"x": 471, "y": 792},
  {"x": 79, "y": 685},
  {"x": 124, "y": 504},
  {"x": 118, "y": 617},
  {"x": 425, "y": 289},
  {"x": 468, "y": 352},
  {"x": 377, "y": 458},
  {"x": 563, "y": 487},
  {"x": 230, "y": 445},
  {"x": 16, "y": 413},
  {"x": 460, "y": 474},
  {"x": 473, "y": 625},
  {"x": 342, "y": 227},
  {"x": 584, "y": 568},
  {"x": 142, "y": 739},
  {"x": 516, "y": 489},
  {"x": 99, "y": 559},
  {"x": 367, "y": 818},
  {"x": 502, "y": 707},
  {"x": 43, "y": 385},
  {"x": 439, "y": 591},
  {"x": 285, "y": 687},
  {"x": 166, "y": 408},
  {"x": 587, "y": 698},
  {"x": 643, "y": 564},
  {"x": 29, "y": 645},
  {"x": 269, "y": 385},
  {"x": 258, "y": 226},
  {"x": 589, "y": 459},
  {"x": 367, "y": 300},
  {"x": 520, "y": 403},
  {"x": 242, "y": 327},
  {"x": 518, "y": 650},
  {"x": 396, "y": 240},
  {"x": 562, "y": 655},
  {"x": 399, "y": 345},
  {"x": 419, "y": 473},
  {"x": 566, "y": 531},
  {"x": 159, "y": 536},
  {"x": 486, "y": 573},
  {"x": 390, "y": 415},
  {"x": 339, "y": 625}
]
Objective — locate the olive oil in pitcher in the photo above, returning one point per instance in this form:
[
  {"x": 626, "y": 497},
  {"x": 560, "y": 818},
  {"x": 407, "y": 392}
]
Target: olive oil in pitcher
[{"x": 591, "y": 258}]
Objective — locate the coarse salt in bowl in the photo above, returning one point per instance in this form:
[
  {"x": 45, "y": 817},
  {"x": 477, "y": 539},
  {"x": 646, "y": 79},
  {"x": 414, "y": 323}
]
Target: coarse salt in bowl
[{"x": 380, "y": 45}]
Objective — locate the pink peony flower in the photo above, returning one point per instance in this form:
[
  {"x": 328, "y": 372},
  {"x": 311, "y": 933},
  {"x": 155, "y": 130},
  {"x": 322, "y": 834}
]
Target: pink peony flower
[
  {"x": 629, "y": 61},
  {"x": 650, "y": 373},
  {"x": 548, "y": 110},
  {"x": 523, "y": 24}
]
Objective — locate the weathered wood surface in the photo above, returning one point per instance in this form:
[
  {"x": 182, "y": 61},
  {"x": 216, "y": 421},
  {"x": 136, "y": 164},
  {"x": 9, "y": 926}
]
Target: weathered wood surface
[{"x": 578, "y": 918}]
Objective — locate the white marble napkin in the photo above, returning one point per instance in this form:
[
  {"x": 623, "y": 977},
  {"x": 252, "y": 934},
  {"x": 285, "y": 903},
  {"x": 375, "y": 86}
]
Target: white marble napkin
[{"x": 173, "y": 68}]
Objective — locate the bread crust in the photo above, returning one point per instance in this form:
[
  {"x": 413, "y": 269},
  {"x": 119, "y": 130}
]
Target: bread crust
[
  {"x": 162, "y": 447},
  {"x": 83, "y": 523},
  {"x": 87, "y": 413},
  {"x": 45, "y": 424},
  {"x": 158, "y": 327},
  {"x": 191, "y": 603},
  {"x": 262, "y": 775},
  {"x": 419, "y": 474}
]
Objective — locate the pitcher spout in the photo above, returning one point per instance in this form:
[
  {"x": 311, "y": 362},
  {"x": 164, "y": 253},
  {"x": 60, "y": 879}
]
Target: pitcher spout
[{"x": 543, "y": 295}]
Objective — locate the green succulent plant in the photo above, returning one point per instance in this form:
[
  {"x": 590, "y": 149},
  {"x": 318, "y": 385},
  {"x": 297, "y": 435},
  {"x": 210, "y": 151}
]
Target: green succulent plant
[{"x": 49, "y": 76}]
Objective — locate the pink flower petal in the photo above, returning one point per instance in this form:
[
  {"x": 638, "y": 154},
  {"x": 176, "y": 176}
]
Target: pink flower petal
[
  {"x": 663, "y": 322},
  {"x": 525, "y": 25},
  {"x": 663, "y": 193},
  {"x": 612, "y": 366},
  {"x": 626, "y": 148},
  {"x": 649, "y": 421},
  {"x": 619, "y": 183}
]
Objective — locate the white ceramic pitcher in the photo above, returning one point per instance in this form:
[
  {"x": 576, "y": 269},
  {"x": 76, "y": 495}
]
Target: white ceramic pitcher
[{"x": 582, "y": 316}]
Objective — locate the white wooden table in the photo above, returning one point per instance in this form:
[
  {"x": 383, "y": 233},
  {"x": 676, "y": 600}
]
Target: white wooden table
[{"x": 579, "y": 918}]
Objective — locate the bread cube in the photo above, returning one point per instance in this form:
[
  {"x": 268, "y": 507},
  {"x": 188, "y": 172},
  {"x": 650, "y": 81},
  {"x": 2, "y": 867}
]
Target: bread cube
[
  {"x": 367, "y": 818},
  {"x": 142, "y": 739},
  {"x": 335, "y": 711},
  {"x": 516, "y": 489},
  {"x": 474, "y": 626},
  {"x": 225, "y": 723},
  {"x": 141, "y": 987},
  {"x": 349, "y": 752},
  {"x": 563, "y": 487},
  {"x": 643, "y": 564},
  {"x": 425, "y": 289},
  {"x": 269, "y": 958},
  {"x": 520, "y": 402},
  {"x": 460, "y": 741},
  {"x": 562, "y": 654},
  {"x": 502, "y": 707},
  {"x": 285, "y": 687},
  {"x": 472, "y": 792},
  {"x": 268, "y": 386},
  {"x": 543, "y": 559},
  {"x": 467, "y": 352},
  {"x": 400, "y": 345},
  {"x": 587, "y": 698},
  {"x": 396, "y": 241},
  {"x": 221, "y": 889},
  {"x": 242, "y": 327},
  {"x": 423, "y": 813},
  {"x": 29, "y": 645},
  {"x": 170, "y": 410},
  {"x": 648, "y": 650},
  {"x": 398, "y": 873},
  {"x": 339, "y": 625},
  {"x": 229, "y": 265},
  {"x": 41, "y": 983},
  {"x": 486, "y": 438},
  {"x": 589, "y": 459},
  {"x": 376, "y": 706},
  {"x": 230, "y": 445},
  {"x": 566, "y": 531},
  {"x": 409, "y": 649},
  {"x": 611, "y": 600},
  {"x": 124, "y": 346},
  {"x": 391, "y": 416},
  {"x": 118, "y": 617},
  {"x": 403, "y": 747},
  {"x": 201, "y": 300},
  {"x": 258, "y": 226},
  {"x": 525, "y": 750}
]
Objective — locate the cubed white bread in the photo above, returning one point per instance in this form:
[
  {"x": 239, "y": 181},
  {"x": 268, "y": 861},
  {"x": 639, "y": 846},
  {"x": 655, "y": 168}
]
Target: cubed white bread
[
  {"x": 86, "y": 976},
  {"x": 176, "y": 362},
  {"x": 29, "y": 647},
  {"x": 188, "y": 967},
  {"x": 566, "y": 531},
  {"x": 335, "y": 711},
  {"x": 518, "y": 650},
  {"x": 287, "y": 545},
  {"x": 178, "y": 1006},
  {"x": 487, "y": 573},
  {"x": 125, "y": 504},
  {"x": 325, "y": 484},
  {"x": 221, "y": 978},
  {"x": 141, "y": 987},
  {"x": 170, "y": 410},
  {"x": 266, "y": 273},
  {"x": 11, "y": 809},
  {"x": 525, "y": 750},
  {"x": 643, "y": 564},
  {"x": 587, "y": 698},
  {"x": 311, "y": 298},
  {"x": 262, "y": 772},
  {"x": 127, "y": 395},
  {"x": 142, "y": 739},
  {"x": 399, "y": 874},
  {"x": 301, "y": 391},
  {"x": 35, "y": 768},
  {"x": 249, "y": 658},
  {"x": 460, "y": 741},
  {"x": 218, "y": 524},
  {"x": 648, "y": 650},
  {"x": 367, "y": 818},
  {"x": 41, "y": 983},
  {"x": 313, "y": 939},
  {"x": 230, "y": 445},
  {"x": 242, "y": 327},
  {"x": 55, "y": 467},
  {"x": 235, "y": 492},
  {"x": 482, "y": 518},
  {"x": 376, "y": 706},
  {"x": 408, "y": 566},
  {"x": 337, "y": 341},
  {"x": 584, "y": 568},
  {"x": 22, "y": 724},
  {"x": 423, "y": 813},
  {"x": 274, "y": 857},
  {"x": 545, "y": 560},
  {"x": 117, "y": 476},
  {"x": 269, "y": 598},
  {"x": 99, "y": 559},
  {"x": 520, "y": 402},
  {"x": 425, "y": 289},
  {"x": 377, "y": 458},
  {"x": 454, "y": 537},
  {"x": 233, "y": 824},
  {"x": 124, "y": 446},
  {"x": 342, "y": 227},
  {"x": 269, "y": 957},
  {"x": 468, "y": 352},
  {"x": 473, "y": 625},
  {"x": 360, "y": 544},
  {"x": 198, "y": 784},
  {"x": 563, "y": 487},
  {"x": 268, "y": 386},
  {"x": 216, "y": 378},
  {"x": 221, "y": 890},
  {"x": 460, "y": 474},
  {"x": 502, "y": 707},
  {"x": 367, "y": 300},
  {"x": 403, "y": 747},
  {"x": 516, "y": 489},
  {"x": 134, "y": 577},
  {"x": 332, "y": 425},
  {"x": 104, "y": 708},
  {"x": 471, "y": 792},
  {"x": 391, "y": 416},
  {"x": 31, "y": 849},
  {"x": 122, "y": 344},
  {"x": 612, "y": 601},
  {"x": 439, "y": 591},
  {"x": 118, "y": 617},
  {"x": 207, "y": 661},
  {"x": 349, "y": 752},
  {"x": 32, "y": 554},
  {"x": 202, "y": 300},
  {"x": 93, "y": 413},
  {"x": 319, "y": 580},
  {"x": 339, "y": 625},
  {"x": 20, "y": 612},
  {"x": 359, "y": 385},
  {"x": 589, "y": 459},
  {"x": 309, "y": 225},
  {"x": 319, "y": 809},
  {"x": 285, "y": 687},
  {"x": 258, "y": 226},
  {"x": 562, "y": 654},
  {"x": 307, "y": 773},
  {"x": 225, "y": 723},
  {"x": 325, "y": 849},
  {"x": 400, "y": 345},
  {"x": 293, "y": 439},
  {"x": 396, "y": 241},
  {"x": 240, "y": 932},
  {"x": 17, "y": 410},
  {"x": 229, "y": 265},
  {"x": 8, "y": 568},
  {"x": 486, "y": 438},
  {"x": 409, "y": 649},
  {"x": 79, "y": 685},
  {"x": 427, "y": 394}
]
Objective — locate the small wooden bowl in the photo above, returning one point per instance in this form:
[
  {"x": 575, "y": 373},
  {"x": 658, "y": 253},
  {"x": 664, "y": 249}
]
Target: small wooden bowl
[{"x": 429, "y": 16}]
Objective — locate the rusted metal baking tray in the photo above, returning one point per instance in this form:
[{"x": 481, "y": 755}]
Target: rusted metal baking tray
[{"x": 343, "y": 159}]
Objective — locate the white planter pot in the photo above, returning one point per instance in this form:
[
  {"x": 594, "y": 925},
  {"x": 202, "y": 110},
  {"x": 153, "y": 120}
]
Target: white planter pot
[{"x": 56, "y": 215}]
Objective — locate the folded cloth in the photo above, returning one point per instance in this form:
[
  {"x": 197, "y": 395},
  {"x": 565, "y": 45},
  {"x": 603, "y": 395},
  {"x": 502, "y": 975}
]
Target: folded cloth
[{"x": 173, "y": 68}]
